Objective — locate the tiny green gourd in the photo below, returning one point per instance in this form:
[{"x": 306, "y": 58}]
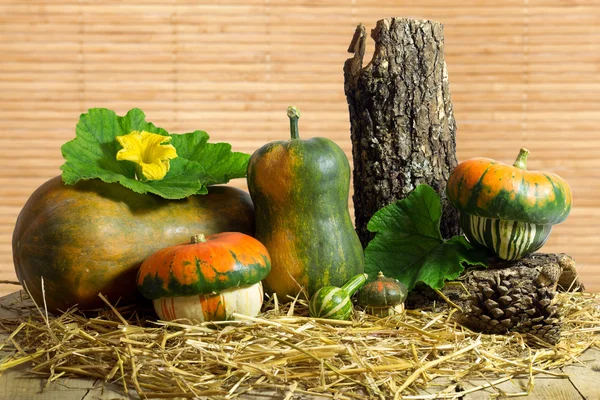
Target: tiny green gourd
[
  {"x": 334, "y": 302},
  {"x": 507, "y": 208}
]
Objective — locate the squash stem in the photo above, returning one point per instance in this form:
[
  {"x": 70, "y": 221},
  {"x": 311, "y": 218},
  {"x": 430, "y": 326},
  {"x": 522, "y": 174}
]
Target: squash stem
[
  {"x": 293, "y": 114},
  {"x": 355, "y": 283},
  {"x": 198, "y": 239},
  {"x": 521, "y": 161}
]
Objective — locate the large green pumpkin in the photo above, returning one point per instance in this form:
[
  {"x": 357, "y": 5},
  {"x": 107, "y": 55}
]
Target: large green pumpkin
[
  {"x": 92, "y": 237},
  {"x": 300, "y": 193}
]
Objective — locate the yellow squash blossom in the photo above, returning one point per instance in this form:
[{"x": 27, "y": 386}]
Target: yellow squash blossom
[{"x": 149, "y": 151}]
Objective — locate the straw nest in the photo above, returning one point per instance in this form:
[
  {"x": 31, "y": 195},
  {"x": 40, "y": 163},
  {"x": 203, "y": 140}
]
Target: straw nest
[{"x": 420, "y": 354}]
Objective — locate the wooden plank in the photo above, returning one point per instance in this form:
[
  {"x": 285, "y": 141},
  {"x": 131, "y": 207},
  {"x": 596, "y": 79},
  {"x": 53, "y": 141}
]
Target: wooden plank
[
  {"x": 102, "y": 391},
  {"x": 586, "y": 378},
  {"x": 544, "y": 389},
  {"x": 15, "y": 384}
]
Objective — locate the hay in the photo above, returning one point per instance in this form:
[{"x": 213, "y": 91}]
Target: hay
[{"x": 421, "y": 354}]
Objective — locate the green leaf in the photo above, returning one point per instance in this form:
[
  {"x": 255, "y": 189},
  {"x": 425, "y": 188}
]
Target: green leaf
[
  {"x": 408, "y": 245},
  {"x": 217, "y": 163},
  {"x": 92, "y": 154}
]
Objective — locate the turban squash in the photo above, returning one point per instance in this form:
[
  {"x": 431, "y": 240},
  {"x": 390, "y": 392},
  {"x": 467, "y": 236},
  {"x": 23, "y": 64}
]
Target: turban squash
[
  {"x": 506, "y": 208},
  {"x": 383, "y": 296},
  {"x": 208, "y": 279}
]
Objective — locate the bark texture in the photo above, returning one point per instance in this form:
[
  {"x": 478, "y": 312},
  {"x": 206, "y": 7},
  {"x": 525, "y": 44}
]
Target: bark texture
[
  {"x": 515, "y": 296},
  {"x": 402, "y": 122}
]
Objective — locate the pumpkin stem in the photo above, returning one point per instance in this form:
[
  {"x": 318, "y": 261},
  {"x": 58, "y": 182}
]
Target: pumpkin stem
[
  {"x": 521, "y": 161},
  {"x": 293, "y": 114},
  {"x": 200, "y": 238},
  {"x": 355, "y": 283}
]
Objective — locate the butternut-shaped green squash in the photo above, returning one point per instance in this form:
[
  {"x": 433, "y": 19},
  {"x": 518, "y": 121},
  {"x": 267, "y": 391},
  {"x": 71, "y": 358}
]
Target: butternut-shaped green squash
[
  {"x": 91, "y": 237},
  {"x": 300, "y": 193}
]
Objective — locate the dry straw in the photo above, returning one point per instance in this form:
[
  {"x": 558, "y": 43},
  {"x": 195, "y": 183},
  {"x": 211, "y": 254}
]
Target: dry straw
[{"x": 421, "y": 354}]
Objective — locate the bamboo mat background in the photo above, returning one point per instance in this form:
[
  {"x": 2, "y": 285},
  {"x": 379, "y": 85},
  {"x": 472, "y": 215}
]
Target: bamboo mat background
[{"x": 523, "y": 73}]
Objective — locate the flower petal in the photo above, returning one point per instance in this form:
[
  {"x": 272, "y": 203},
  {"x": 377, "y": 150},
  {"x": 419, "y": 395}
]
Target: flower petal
[
  {"x": 153, "y": 139},
  {"x": 148, "y": 151},
  {"x": 132, "y": 147},
  {"x": 155, "y": 172},
  {"x": 155, "y": 147}
]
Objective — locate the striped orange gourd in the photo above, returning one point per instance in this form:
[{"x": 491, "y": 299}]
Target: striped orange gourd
[
  {"x": 506, "y": 208},
  {"x": 208, "y": 279}
]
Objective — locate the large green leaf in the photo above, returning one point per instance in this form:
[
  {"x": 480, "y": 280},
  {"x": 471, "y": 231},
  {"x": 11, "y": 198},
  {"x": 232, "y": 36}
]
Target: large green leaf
[
  {"x": 92, "y": 154},
  {"x": 408, "y": 245},
  {"x": 216, "y": 162}
]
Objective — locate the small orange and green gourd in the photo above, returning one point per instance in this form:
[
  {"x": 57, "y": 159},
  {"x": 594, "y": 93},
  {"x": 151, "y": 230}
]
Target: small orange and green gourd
[
  {"x": 507, "y": 208},
  {"x": 333, "y": 302},
  {"x": 300, "y": 192},
  {"x": 208, "y": 279},
  {"x": 383, "y": 296}
]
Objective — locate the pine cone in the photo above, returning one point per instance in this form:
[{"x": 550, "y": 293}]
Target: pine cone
[
  {"x": 512, "y": 302},
  {"x": 513, "y": 296}
]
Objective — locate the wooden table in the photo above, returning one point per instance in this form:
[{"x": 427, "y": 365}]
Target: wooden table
[{"x": 17, "y": 383}]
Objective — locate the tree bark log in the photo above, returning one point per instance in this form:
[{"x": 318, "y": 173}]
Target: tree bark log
[{"x": 402, "y": 122}]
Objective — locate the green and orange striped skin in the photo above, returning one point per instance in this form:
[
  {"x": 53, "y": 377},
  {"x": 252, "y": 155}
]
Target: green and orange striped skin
[
  {"x": 300, "y": 192},
  {"x": 506, "y": 208},
  {"x": 490, "y": 189},
  {"x": 382, "y": 292},
  {"x": 510, "y": 240},
  {"x": 222, "y": 261},
  {"x": 221, "y": 306}
]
